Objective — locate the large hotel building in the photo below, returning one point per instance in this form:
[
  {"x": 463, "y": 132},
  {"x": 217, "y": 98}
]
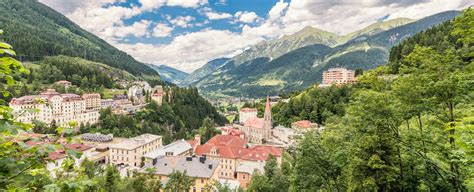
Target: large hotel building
[
  {"x": 51, "y": 106},
  {"x": 337, "y": 76}
]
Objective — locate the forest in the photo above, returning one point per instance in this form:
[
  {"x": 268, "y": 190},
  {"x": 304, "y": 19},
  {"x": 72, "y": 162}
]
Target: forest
[{"x": 405, "y": 126}]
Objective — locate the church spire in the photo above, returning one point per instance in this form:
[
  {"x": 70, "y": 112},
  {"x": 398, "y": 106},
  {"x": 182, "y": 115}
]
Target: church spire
[{"x": 267, "y": 116}]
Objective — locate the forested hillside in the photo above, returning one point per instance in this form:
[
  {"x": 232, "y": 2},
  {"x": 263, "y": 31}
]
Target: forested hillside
[
  {"x": 302, "y": 67},
  {"x": 405, "y": 126},
  {"x": 37, "y": 31}
]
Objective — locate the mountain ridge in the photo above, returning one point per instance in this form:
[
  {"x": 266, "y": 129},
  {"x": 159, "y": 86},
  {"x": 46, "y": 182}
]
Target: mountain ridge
[
  {"x": 303, "y": 67},
  {"x": 170, "y": 74}
]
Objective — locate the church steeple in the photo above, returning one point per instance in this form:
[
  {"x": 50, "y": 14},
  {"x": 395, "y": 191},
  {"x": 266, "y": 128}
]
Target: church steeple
[{"x": 267, "y": 116}]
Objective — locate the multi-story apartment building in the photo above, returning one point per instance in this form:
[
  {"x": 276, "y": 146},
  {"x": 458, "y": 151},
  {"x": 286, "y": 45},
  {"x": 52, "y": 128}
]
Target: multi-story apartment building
[
  {"x": 247, "y": 113},
  {"x": 92, "y": 100},
  {"x": 203, "y": 170},
  {"x": 337, "y": 76},
  {"x": 130, "y": 151},
  {"x": 51, "y": 106}
]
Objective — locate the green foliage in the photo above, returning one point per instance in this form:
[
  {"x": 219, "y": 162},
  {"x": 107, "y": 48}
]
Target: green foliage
[
  {"x": 313, "y": 104},
  {"x": 273, "y": 178},
  {"x": 179, "y": 181}
]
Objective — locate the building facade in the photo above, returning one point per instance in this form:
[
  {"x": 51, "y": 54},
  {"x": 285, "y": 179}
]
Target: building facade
[
  {"x": 92, "y": 100},
  {"x": 157, "y": 94},
  {"x": 53, "y": 107},
  {"x": 337, "y": 76},
  {"x": 130, "y": 151}
]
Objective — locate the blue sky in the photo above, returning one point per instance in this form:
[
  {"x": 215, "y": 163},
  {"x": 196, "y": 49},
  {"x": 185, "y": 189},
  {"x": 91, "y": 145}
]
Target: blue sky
[{"x": 185, "y": 34}]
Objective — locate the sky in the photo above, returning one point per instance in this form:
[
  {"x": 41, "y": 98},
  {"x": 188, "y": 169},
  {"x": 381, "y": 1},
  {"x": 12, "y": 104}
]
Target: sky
[{"x": 186, "y": 34}]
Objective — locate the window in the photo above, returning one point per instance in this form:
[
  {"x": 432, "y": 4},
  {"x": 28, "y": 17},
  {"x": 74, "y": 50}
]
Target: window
[
  {"x": 243, "y": 177},
  {"x": 202, "y": 180},
  {"x": 194, "y": 189}
]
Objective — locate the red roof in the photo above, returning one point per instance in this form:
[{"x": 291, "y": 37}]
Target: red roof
[
  {"x": 261, "y": 152},
  {"x": 303, "y": 124},
  {"x": 226, "y": 140},
  {"x": 77, "y": 146},
  {"x": 254, "y": 122},
  {"x": 58, "y": 154},
  {"x": 232, "y": 147},
  {"x": 246, "y": 110},
  {"x": 229, "y": 130}
]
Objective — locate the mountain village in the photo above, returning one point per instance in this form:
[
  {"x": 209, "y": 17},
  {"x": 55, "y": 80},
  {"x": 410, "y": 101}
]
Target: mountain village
[{"x": 230, "y": 158}]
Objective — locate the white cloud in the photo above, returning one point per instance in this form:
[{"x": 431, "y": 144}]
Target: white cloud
[
  {"x": 151, "y": 4},
  {"x": 347, "y": 16},
  {"x": 137, "y": 29},
  {"x": 216, "y": 15},
  {"x": 182, "y": 21},
  {"x": 246, "y": 17},
  {"x": 277, "y": 10},
  {"x": 186, "y": 3},
  {"x": 162, "y": 30},
  {"x": 189, "y": 51}
]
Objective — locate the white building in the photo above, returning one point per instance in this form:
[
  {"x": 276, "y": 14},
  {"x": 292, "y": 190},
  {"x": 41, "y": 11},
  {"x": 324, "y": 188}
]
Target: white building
[
  {"x": 51, "y": 106},
  {"x": 337, "y": 76},
  {"x": 247, "y": 113},
  {"x": 178, "y": 148},
  {"x": 130, "y": 151}
]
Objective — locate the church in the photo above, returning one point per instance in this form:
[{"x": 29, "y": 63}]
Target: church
[{"x": 259, "y": 130}]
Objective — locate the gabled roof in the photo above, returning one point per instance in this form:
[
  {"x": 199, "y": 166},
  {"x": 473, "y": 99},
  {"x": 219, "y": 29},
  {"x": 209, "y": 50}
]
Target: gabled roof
[
  {"x": 254, "y": 122},
  {"x": 232, "y": 147},
  {"x": 177, "y": 147},
  {"x": 192, "y": 166},
  {"x": 246, "y": 110}
]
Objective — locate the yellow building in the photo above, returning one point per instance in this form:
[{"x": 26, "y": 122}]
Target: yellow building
[
  {"x": 92, "y": 100},
  {"x": 130, "y": 151},
  {"x": 202, "y": 169}
]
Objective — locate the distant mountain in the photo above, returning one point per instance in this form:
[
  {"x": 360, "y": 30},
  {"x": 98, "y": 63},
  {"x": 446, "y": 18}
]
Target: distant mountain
[
  {"x": 37, "y": 31},
  {"x": 205, "y": 70},
  {"x": 170, "y": 74},
  {"x": 267, "y": 72}
]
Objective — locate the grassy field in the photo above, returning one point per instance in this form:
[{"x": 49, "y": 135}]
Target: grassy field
[{"x": 109, "y": 93}]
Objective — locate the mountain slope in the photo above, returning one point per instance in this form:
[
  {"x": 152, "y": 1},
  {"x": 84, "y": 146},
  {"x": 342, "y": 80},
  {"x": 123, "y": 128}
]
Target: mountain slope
[
  {"x": 302, "y": 67},
  {"x": 276, "y": 48},
  {"x": 170, "y": 74},
  {"x": 205, "y": 70},
  {"x": 37, "y": 31}
]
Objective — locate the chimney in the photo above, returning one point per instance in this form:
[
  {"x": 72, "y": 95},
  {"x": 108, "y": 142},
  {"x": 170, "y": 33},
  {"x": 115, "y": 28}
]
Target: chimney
[
  {"x": 155, "y": 161},
  {"x": 210, "y": 166},
  {"x": 202, "y": 159},
  {"x": 197, "y": 138},
  {"x": 189, "y": 158}
]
